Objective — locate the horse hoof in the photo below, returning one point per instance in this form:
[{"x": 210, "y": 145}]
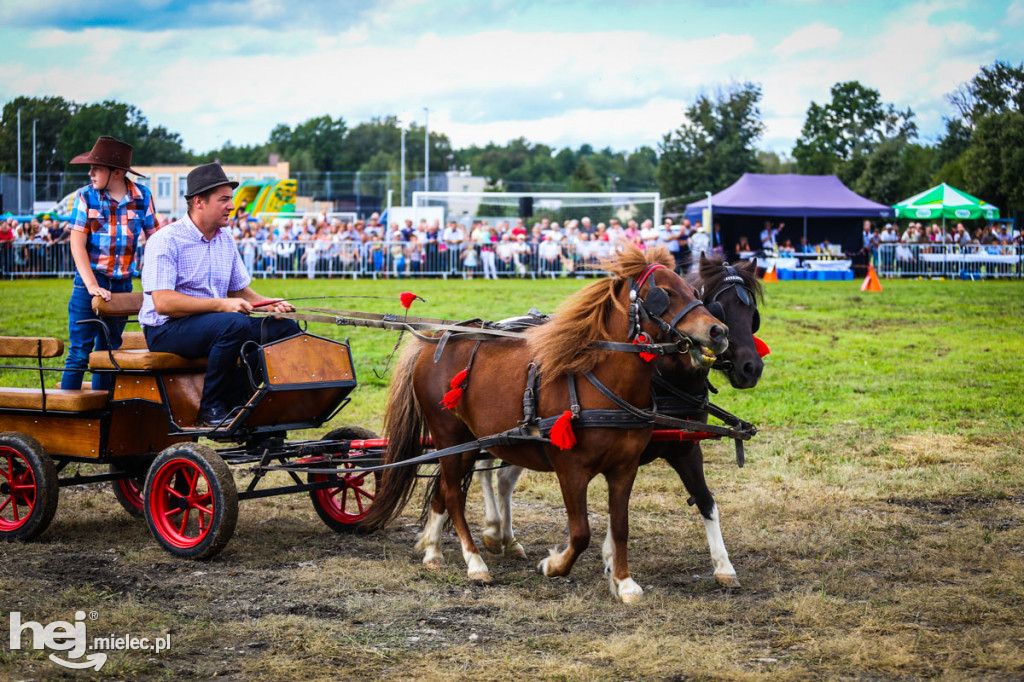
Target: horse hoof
[
  {"x": 434, "y": 562},
  {"x": 631, "y": 598},
  {"x": 542, "y": 567},
  {"x": 515, "y": 551},
  {"x": 492, "y": 545},
  {"x": 480, "y": 577},
  {"x": 730, "y": 581},
  {"x": 628, "y": 591}
]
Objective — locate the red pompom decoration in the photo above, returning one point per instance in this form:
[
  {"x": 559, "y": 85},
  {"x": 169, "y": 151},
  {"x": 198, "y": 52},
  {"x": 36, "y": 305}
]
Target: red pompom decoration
[
  {"x": 459, "y": 378},
  {"x": 407, "y": 298},
  {"x": 642, "y": 339},
  {"x": 452, "y": 398},
  {"x": 458, "y": 384},
  {"x": 561, "y": 433},
  {"x": 761, "y": 346}
]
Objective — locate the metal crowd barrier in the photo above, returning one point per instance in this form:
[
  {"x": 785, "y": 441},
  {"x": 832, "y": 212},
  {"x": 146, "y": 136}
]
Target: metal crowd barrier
[
  {"x": 973, "y": 261},
  {"x": 290, "y": 259}
]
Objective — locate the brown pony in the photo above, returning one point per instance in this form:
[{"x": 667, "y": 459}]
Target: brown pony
[{"x": 493, "y": 402}]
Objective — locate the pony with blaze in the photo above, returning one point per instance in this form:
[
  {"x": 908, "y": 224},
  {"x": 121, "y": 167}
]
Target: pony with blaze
[
  {"x": 731, "y": 294},
  {"x": 495, "y": 389}
]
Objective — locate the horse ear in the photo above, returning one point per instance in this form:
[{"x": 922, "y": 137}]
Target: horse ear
[
  {"x": 703, "y": 259},
  {"x": 748, "y": 265}
]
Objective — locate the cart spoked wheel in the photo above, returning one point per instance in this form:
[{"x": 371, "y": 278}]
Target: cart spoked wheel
[
  {"x": 29, "y": 488},
  {"x": 344, "y": 507},
  {"x": 129, "y": 491},
  {"x": 190, "y": 501}
]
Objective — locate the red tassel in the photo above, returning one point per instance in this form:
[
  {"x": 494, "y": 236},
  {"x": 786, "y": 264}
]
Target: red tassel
[
  {"x": 407, "y": 298},
  {"x": 642, "y": 338},
  {"x": 561, "y": 433},
  {"x": 458, "y": 384},
  {"x": 459, "y": 378},
  {"x": 761, "y": 346},
  {"x": 452, "y": 398}
]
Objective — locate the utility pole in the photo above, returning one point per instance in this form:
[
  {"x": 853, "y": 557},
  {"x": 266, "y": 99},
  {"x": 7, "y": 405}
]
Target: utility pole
[
  {"x": 401, "y": 197},
  {"x": 426, "y": 149},
  {"x": 34, "y": 164},
  {"x": 19, "y": 160}
]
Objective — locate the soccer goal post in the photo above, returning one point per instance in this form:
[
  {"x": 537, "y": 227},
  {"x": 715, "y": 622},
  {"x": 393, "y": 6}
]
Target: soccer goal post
[{"x": 555, "y": 206}]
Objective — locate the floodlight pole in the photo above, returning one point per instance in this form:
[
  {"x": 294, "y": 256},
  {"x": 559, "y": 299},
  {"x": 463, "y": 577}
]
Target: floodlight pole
[
  {"x": 401, "y": 199},
  {"x": 34, "y": 164},
  {"x": 426, "y": 149},
  {"x": 711, "y": 218},
  {"x": 19, "y": 160}
]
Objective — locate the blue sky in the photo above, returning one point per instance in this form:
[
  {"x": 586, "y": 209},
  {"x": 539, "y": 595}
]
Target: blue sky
[{"x": 562, "y": 73}]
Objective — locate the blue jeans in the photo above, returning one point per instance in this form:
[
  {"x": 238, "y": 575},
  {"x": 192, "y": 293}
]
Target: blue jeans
[
  {"x": 84, "y": 338},
  {"x": 219, "y": 338}
]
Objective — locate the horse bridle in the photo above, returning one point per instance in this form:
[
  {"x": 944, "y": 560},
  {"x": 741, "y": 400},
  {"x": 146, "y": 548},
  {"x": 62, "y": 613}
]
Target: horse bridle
[
  {"x": 733, "y": 280},
  {"x": 653, "y": 306}
]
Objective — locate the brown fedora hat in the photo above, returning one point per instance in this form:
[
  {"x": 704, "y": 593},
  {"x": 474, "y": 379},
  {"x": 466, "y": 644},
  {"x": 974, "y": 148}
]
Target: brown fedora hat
[{"x": 109, "y": 151}]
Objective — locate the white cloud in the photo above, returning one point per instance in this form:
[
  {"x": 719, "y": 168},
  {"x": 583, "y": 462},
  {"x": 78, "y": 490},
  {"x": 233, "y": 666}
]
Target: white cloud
[
  {"x": 1015, "y": 13},
  {"x": 812, "y": 37}
]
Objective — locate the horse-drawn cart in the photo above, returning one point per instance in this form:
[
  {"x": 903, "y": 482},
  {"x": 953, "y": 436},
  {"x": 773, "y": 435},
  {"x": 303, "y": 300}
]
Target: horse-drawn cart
[
  {"x": 144, "y": 428},
  {"x": 143, "y": 431}
]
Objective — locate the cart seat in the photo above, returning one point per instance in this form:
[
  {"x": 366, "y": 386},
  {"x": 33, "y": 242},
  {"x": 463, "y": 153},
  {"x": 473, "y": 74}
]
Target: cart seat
[
  {"x": 56, "y": 399},
  {"x": 142, "y": 359}
]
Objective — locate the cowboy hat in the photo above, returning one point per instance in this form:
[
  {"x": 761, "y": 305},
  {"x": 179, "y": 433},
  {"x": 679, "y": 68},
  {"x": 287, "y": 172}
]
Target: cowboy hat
[{"x": 111, "y": 152}]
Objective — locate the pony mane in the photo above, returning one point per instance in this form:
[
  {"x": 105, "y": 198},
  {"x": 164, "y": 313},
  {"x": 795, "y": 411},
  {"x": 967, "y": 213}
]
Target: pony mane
[
  {"x": 563, "y": 345},
  {"x": 712, "y": 276}
]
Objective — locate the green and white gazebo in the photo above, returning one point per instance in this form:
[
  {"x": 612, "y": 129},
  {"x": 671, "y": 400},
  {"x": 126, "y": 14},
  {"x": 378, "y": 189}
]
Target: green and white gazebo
[{"x": 945, "y": 202}]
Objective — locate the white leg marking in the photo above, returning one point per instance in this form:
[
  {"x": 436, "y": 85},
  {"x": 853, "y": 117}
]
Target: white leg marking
[
  {"x": 725, "y": 574},
  {"x": 542, "y": 567},
  {"x": 477, "y": 568},
  {"x": 608, "y": 551},
  {"x": 627, "y": 590},
  {"x": 507, "y": 480},
  {"x": 429, "y": 541},
  {"x": 492, "y": 517}
]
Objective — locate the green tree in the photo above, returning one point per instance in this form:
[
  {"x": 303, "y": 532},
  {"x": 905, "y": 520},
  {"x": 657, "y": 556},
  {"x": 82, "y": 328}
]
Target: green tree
[
  {"x": 51, "y": 115},
  {"x": 584, "y": 179},
  {"x": 772, "y": 164},
  {"x": 994, "y": 163},
  {"x": 837, "y": 137},
  {"x": 996, "y": 89},
  {"x": 716, "y": 144}
]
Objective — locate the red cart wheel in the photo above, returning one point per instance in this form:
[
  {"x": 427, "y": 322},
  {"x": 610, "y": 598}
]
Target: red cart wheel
[
  {"x": 344, "y": 507},
  {"x": 190, "y": 501},
  {"x": 29, "y": 488},
  {"x": 130, "y": 491}
]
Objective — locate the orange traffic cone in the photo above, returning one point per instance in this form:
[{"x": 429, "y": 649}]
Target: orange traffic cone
[
  {"x": 871, "y": 282},
  {"x": 770, "y": 275}
]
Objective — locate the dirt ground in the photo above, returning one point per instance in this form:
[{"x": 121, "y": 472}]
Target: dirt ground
[{"x": 846, "y": 574}]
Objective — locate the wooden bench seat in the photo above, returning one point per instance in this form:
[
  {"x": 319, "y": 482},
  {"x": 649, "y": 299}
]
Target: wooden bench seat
[
  {"x": 56, "y": 399},
  {"x": 145, "y": 360}
]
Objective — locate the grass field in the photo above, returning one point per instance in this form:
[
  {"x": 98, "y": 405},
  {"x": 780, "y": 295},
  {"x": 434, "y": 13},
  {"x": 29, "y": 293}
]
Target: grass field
[{"x": 878, "y": 527}]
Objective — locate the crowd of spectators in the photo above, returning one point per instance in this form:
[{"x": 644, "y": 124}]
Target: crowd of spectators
[
  {"x": 478, "y": 249},
  {"x": 317, "y": 247}
]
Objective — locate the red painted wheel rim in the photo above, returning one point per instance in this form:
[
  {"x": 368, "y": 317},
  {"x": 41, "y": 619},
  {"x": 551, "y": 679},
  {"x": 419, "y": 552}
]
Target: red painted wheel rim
[
  {"x": 132, "y": 493},
  {"x": 181, "y": 504},
  {"x": 17, "y": 489},
  {"x": 350, "y": 502}
]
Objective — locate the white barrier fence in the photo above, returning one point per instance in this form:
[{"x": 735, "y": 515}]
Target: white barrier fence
[
  {"x": 951, "y": 261},
  {"x": 354, "y": 259}
]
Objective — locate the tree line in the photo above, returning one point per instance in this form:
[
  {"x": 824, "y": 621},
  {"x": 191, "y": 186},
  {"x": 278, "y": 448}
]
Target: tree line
[{"x": 869, "y": 144}]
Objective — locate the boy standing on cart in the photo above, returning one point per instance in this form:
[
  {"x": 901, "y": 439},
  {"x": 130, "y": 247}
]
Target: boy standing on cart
[
  {"x": 197, "y": 298},
  {"x": 107, "y": 220}
]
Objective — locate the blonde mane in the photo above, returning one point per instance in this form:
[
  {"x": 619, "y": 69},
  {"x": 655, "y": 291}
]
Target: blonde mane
[{"x": 564, "y": 344}]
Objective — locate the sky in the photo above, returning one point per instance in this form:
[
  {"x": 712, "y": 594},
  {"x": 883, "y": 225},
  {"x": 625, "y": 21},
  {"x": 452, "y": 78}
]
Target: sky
[{"x": 558, "y": 72}]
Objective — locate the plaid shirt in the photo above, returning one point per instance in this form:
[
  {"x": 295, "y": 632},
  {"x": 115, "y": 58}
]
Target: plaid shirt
[
  {"x": 179, "y": 258},
  {"x": 112, "y": 228}
]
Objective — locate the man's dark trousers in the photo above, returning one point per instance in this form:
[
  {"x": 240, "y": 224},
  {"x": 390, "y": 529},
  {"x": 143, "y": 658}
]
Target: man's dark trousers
[{"x": 218, "y": 337}]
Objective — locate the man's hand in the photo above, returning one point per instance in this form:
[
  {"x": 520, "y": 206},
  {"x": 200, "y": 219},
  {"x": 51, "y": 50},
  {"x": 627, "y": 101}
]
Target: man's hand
[
  {"x": 235, "y": 305},
  {"x": 283, "y": 307}
]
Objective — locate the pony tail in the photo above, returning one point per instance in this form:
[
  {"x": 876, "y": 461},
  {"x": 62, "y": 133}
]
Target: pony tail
[{"x": 405, "y": 427}]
